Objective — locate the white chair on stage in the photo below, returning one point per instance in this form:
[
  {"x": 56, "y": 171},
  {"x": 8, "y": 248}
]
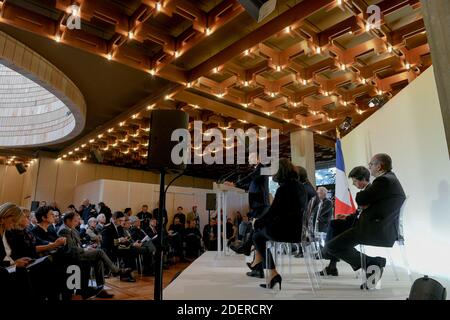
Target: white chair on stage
[{"x": 401, "y": 245}]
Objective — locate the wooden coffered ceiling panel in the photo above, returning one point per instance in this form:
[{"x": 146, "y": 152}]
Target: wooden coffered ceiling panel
[{"x": 308, "y": 65}]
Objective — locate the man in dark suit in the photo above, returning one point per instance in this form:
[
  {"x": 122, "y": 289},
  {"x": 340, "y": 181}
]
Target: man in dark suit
[
  {"x": 258, "y": 190},
  {"x": 96, "y": 257},
  {"x": 360, "y": 177},
  {"x": 116, "y": 244},
  {"x": 145, "y": 217},
  {"x": 379, "y": 219},
  {"x": 322, "y": 212},
  {"x": 257, "y": 186},
  {"x": 155, "y": 214},
  {"x": 180, "y": 215}
]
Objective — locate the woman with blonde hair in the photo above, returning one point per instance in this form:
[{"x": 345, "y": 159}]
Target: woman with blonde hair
[{"x": 10, "y": 214}]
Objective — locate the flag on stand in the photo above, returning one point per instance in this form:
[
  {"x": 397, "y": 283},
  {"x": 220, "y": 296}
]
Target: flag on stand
[{"x": 343, "y": 197}]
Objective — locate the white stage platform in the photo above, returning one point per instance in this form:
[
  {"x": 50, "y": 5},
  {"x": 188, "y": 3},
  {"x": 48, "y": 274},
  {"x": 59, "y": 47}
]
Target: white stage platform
[{"x": 213, "y": 277}]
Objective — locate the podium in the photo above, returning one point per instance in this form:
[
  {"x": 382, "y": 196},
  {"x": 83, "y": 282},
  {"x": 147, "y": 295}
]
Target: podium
[{"x": 222, "y": 192}]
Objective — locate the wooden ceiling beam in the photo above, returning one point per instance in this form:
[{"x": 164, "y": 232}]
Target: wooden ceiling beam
[
  {"x": 397, "y": 37},
  {"x": 226, "y": 109},
  {"x": 343, "y": 27},
  {"x": 297, "y": 13}
]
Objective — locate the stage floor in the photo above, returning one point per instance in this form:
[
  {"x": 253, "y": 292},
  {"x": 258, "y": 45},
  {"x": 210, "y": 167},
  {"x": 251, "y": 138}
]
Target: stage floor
[{"x": 213, "y": 277}]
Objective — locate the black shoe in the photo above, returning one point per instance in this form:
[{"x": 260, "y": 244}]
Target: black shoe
[
  {"x": 103, "y": 294},
  {"x": 329, "y": 272},
  {"x": 273, "y": 282},
  {"x": 256, "y": 274},
  {"x": 122, "y": 272},
  {"x": 128, "y": 278},
  {"x": 299, "y": 255},
  {"x": 257, "y": 266},
  {"x": 90, "y": 292}
]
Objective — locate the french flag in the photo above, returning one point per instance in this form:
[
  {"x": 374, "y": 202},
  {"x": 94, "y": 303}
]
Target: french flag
[{"x": 343, "y": 198}]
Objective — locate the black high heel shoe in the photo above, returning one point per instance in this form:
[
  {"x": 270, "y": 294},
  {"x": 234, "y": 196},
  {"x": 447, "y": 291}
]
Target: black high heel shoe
[
  {"x": 257, "y": 266},
  {"x": 273, "y": 282}
]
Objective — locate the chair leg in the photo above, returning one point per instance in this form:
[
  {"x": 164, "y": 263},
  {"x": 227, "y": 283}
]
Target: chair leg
[
  {"x": 405, "y": 261},
  {"x": 391, "y": 262},
  {"x": 310, "y": 260},
  {"x": 363, "y": 266},
  {"x": 308, "y": 267},
  {"x": 269, "y": 246}
]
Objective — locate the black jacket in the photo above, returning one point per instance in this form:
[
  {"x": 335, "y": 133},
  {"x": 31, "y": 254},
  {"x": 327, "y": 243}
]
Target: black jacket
[
  {"x": 322, "y": 218},
  {"x": 379, "y": 222},
  {"x": 22, "y": 243},
  {"x": 109, "y": 234},
  {"x": 137, "y": 234},
  {"x": 257, "y": 186},
  {"x": 283, "y": 220}
]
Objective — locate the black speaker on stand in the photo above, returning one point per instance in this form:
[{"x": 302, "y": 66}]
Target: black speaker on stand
[
  {"x": 211, "y": 204},
  {"x": 162, "y": 124},
  {"x": 21, "y": 168}
]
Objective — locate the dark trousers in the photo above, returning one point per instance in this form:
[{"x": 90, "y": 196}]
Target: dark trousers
[
  {"x": 343, "y": 247},
  {"x": 337, "y": 227},
  {"x": 98, "y": 259},
  {"x": 260, "y": 237}
]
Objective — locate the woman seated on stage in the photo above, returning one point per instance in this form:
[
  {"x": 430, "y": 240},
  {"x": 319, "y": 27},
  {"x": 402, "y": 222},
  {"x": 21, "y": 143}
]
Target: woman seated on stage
[{"x": 282, "y": 222}]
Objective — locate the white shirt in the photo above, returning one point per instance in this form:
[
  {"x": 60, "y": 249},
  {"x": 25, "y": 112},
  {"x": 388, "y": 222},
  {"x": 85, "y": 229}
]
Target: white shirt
[
  {"x": 7, "y": 250},
  {"x": 316, "y": 225}
]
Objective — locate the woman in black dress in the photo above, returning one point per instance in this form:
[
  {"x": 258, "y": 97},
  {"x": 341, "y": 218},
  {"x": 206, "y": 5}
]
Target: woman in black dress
[{"x": 283, "y": 221}]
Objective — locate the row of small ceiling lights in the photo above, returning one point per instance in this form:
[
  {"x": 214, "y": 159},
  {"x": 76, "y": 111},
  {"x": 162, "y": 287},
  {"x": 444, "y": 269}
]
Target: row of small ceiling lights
[
  {"x": 12, "y": 160},
  {"x": 124, "y": 140}
]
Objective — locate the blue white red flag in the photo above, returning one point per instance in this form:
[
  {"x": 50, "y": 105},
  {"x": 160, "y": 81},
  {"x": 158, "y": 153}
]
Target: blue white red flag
[{"x": 343, "y": 198}]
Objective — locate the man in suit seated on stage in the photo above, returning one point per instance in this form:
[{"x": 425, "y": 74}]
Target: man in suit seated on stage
[
  {"x": 379, "y": 220},
  {"x": 360, "y": 177}
]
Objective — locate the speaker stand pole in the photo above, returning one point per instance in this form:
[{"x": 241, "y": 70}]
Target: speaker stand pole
[{"x": 158, "y": 289}]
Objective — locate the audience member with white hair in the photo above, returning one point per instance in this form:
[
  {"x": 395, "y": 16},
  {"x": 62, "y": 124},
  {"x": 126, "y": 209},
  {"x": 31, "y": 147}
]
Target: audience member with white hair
[
  {"x": 92, "y": 232},
  {"x": 101, "y": 221}
]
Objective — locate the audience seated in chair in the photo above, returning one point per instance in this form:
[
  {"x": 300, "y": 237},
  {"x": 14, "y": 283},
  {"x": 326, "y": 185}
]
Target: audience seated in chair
[
  {"x": 193, "y": 239},
  {"x": 175, "y": 239},
  {"x": 138, "y": 247},
  {"x": 116, "y": 244},
  {"x": 144, "y": 217},
  {"x": 322, "y": 212},
  {"x": 95, "y": 237},
  {"x": 97, "y": 258},
  {"x": 210, "y": 235},
  {"x": 44, "y": 231},
  {"x": 181, "y": 216},
  {"x": 379, "y": 220},
  {"x": 29, "y": 279}
]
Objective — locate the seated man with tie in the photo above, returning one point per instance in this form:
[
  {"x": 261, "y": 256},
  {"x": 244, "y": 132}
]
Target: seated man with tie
[
  {"x": 360, "y": 177},
  {"x": 378, "y": 222},
  {"x": 322, "y": 213},
  {"x": 95, "y": 257},
  {"x": 117, "y": 244}
]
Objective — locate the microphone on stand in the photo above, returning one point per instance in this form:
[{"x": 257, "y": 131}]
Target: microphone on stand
[{"x": 228, "y": 175}]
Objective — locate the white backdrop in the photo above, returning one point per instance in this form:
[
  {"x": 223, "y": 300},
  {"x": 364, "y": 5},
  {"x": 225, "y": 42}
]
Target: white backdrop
[
  {"x": 410, "y": 129},
  {"x": 119, "y": 195}
]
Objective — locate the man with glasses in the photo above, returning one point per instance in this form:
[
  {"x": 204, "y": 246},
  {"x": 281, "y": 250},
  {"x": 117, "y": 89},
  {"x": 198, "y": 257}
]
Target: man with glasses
[{"x": 378, "y": 222}]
